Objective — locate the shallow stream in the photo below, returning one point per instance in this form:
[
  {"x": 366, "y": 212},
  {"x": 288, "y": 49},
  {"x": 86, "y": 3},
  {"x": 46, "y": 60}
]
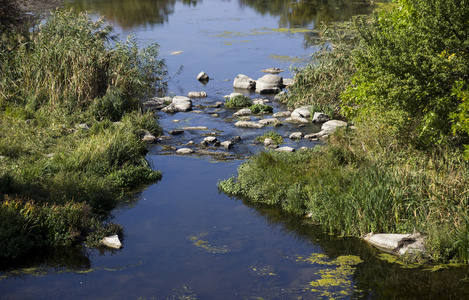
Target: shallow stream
[{"x": 183, "y": 238}]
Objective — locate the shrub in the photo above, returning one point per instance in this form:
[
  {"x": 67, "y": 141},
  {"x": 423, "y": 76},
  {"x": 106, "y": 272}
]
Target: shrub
[
  {"x": 238, "y": 101},
  {"x": 273, "y": 135},
  {"x": 261, "y": 109}
]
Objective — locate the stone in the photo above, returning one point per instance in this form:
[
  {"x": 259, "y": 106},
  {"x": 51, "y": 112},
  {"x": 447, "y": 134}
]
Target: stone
[
  {"x": 179, "y": 104},
  {"x": 202, "y": 76},
  {"x": 244, "y": 82},
  {"x": 399, "y": 244},
  {"x": 236, "y": 139},
  {"x": 184, "y": 151},
  {"x": 227, "y": 144},
  {"x": 148, "y": 137},
  {"x": 190, "y": 143},
  {"x": 176, "y": 52},
  {"x": 197, "y": 95},
  {"x": 210, "y": 139},
  {"x": 112, "y": 242},
  {"x": 233, "y": 95},
  {"x": 176, "y": 132},
  {"x": 319, "y": 117},
  {"x": 269, "y": 84},
  {"x": 243, "y": 112},
  {"x": 248, "y": 124},
  {"x": 296, "y": 136},
  {"x": 272, "y": 70},
  {"x": 332, "y": 125},
  {"x": 281, "y": 96},
  {"x": 310, "y": 136},
  {"x": 260, "y": 101},
  {"x": 288, "y": 82},
  {"x": 302, "y": 112},
  {"x": 296, "y": 120},
  {"x": 83, "y": 126},
  {"x": 268, "y": 141},
  {"x": 156, "y": 103},
  {"x": 282, "y": 114},
  {"x": 269, "y": 121},
  {"x": 176, "y": 121},
  {"x": 285, "y": 149}
]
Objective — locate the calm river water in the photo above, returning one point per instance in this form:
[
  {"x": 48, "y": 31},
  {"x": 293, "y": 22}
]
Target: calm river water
[{"x": 183, "y": 238}]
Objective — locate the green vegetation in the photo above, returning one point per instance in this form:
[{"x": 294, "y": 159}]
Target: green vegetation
[
  {"x": 70, "y": 129},
  {"x": 403, "y": 168},
  {"x": 273, "y": 135},
  {"x": 261, "y": 109},
  {"x": 238, "y": 101}
]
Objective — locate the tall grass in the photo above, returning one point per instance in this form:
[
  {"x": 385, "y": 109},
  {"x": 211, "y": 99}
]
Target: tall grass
[
  {"x": 350, "y": 192},
  {"x": 66, "y": 71}
]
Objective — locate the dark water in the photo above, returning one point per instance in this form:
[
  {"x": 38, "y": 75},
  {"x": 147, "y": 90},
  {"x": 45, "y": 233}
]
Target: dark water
[{"x": 183, "y": 238}]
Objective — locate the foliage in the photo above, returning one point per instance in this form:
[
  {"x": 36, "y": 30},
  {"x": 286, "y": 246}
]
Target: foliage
[
  {"x": 238, "y": 101},
  {"x": 409, "y": 61},
  {"x": 273, "y": 135},
  {"x": 66, "y": 61},
  {"x": 70, "y": 130},
  {"x": 323, "y": 80},
  {"x": 350, "y": 188},
  {"x": 261, "y": 109}
]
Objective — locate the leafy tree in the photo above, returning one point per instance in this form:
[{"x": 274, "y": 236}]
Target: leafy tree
[{"x": 409, "y": 62}]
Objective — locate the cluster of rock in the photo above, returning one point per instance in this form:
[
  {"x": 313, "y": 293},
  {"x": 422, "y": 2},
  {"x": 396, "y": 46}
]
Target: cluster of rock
[
  {"x": 267, "y": 84},
  {"x": 209, "y": 141}
]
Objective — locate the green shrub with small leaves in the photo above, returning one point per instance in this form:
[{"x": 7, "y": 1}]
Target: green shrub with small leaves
[{"x": 239, "y": 101}]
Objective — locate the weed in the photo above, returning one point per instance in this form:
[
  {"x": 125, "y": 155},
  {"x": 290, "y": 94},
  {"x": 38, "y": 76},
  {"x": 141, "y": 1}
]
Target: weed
[{"x": 238, "y": 101}]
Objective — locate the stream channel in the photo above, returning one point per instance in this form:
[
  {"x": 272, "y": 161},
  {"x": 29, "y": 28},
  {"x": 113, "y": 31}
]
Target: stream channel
[{"x": 183, "y": 238}]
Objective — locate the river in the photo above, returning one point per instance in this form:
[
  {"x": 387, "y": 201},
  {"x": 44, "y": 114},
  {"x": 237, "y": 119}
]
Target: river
[{"x": 183, "y": 238}]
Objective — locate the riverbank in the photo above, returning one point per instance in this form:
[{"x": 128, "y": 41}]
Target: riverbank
[
  {"x": 72, "y": 144},
  {"x": 389, "y": 173}
]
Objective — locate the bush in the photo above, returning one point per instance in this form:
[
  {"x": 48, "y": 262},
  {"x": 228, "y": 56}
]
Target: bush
[
  {"x": 273, "y": 135},
  {"x": 238, "y": 101},
  {"x": 261, "y": 109},
  {"x": 410, "y": 61}
]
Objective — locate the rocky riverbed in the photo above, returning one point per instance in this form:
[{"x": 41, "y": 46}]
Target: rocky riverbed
[{"x": 202, "y": 124}]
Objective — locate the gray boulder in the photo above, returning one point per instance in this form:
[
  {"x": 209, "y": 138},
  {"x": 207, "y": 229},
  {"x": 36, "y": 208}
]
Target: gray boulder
[
  {"x": 112, "y": 242},
  {"x": 244, "y": 82},
  {"x": 148, "y": 137},
  {"x": 179, "y": 104},
  {"x": 202, "y": 76},
  {"x": 302, "y": 112},
  {"x": 285, "y": 149},
  {"x": 156, "y": 103},
  {"x": 243, "y": 112},
  {"x": 269, "y": 121},
  {"x": 184, "y": 151},
  {"x": 269, "y": 84},
  {"x": 197, "y": 95},
  {"x": 332, "y": 125},
  {"x": 319, "y": 117},
  {"x": 248, "y": 124},
  {"x": 227, "y": 144},
  {"x": 282, "y": 114},
  {"x": 296, "y": 136},
  {"x": 397, "y": 243}
]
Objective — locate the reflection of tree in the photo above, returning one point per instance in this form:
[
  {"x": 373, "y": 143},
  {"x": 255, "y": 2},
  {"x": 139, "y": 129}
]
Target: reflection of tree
[
  {"x": 308, "y": 13},
  {"x": 130, "y": 13},
  {"x": 374, "y": 278}
]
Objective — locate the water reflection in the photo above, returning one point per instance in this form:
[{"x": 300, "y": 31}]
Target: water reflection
[
  {"x": 292, "y": 14},
  {"x": 378, "y": 276}
]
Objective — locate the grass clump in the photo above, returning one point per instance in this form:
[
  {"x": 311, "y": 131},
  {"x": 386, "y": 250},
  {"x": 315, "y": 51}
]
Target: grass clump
[
  {"x": 261, "y": 109},
  {"x": 238, "y": 101},
  {"x": 273, "y": 135},
  {"x": 70, "y": 129}
]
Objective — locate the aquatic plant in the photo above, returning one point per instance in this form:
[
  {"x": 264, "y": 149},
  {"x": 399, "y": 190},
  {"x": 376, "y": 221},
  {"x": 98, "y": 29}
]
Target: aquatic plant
[
  {"x": 273, "y": 135},
  {"x": 238, "y": 101},
  {"x": 261, "y": 109}
]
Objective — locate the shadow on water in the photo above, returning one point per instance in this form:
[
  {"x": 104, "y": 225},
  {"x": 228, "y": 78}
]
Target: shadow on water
[{"x": 379, "y": 275}]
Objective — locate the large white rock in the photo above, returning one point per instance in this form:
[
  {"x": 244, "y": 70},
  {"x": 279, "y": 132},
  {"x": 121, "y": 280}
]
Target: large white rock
[
  {"x": 197, "y": 94},
  {"x": 285, "y": 149},
  {"x": 243, "y": 112},
  {"x": 202, "y": 76},
  {"x": 183, "y": 151},
  {"x": 112, "y": 242},
  {"x": 302, "y": 112},
  {"x": 296, "y": 136},
  {"x": 282, "y": 114},
  {"x": 244, "y": 82},
  {"x": 319, "y": 117},
  {"x": 269, "y": 121},
  {"x": 179, "y": 104},
  {"x": 269, "y": 84},
  {"x": 396, "y": 243},
  {"x": 332, "y": 125},
  {"x": 156, "y": 103}
]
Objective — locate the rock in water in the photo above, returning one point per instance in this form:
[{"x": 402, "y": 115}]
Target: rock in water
[
  {"x": 244, "y": 82},
  {"x": 203, "y": 77},
  {"x": 112, "y": 242}
]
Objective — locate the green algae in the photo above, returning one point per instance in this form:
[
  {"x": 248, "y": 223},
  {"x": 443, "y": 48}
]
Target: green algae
[
  {"x": 334, "y": 282},
  {"x": 287, "y": 58},
  {"x": 211, "y": 247}
]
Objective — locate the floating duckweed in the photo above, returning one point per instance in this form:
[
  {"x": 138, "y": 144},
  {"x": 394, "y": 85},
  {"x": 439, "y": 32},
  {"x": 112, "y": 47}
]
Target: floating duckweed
[
  {"x": 286, "y": 58},
  {"x": 332, "y": 278},
  {"x": 205, "y": 245},
  {"x": 260, "y": 270},
  {"x": 395, "y": 260},
  {"x": 84, "y": 271}
]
